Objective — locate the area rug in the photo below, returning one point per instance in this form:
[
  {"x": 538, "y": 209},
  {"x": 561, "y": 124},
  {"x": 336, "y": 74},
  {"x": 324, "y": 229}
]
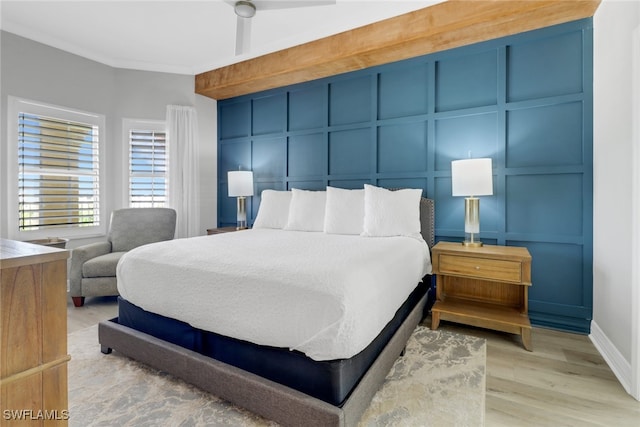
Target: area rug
[{"x": 440, "y": 381}]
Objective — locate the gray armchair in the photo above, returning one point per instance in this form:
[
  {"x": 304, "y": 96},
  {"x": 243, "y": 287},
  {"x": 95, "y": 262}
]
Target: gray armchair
[{"x": 93, "y": 266}]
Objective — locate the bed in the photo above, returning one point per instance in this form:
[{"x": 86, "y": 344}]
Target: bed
[{"x": 324, "y": 366}]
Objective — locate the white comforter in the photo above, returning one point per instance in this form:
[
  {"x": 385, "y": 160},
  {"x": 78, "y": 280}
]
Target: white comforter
[{"x": 325, "y": 295}]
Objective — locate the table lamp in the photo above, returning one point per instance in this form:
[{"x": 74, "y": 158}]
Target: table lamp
[
  {"x": 471, "y": 178},
  {"x": 240, "y": 185}
]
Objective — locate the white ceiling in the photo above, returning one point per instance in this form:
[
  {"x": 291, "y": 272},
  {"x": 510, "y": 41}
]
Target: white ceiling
[{"x": 185, "y": 37}]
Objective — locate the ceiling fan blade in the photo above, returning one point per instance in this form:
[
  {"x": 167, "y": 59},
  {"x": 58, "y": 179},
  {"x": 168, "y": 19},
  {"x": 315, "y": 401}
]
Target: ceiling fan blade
[
  {"x": 286, "y": 4},
  {"x": 243, "y": 35}
]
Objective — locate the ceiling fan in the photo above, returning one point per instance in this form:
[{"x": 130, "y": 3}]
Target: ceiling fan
[{"x": 246, "y": 9}]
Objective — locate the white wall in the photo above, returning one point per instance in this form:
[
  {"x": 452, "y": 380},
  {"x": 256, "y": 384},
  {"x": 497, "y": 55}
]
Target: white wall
[
  {"x": 34, "y": 71},
  {"x": 613, "y": 327}
]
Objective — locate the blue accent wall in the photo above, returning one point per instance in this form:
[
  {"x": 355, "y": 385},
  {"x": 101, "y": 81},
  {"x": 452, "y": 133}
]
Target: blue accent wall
[{"x": 524, "y": 100}]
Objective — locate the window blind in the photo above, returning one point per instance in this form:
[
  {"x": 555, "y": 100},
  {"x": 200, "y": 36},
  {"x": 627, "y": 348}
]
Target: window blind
[
  {"x": 147, "y": 168},
  {"x": 58, "y": 173}
]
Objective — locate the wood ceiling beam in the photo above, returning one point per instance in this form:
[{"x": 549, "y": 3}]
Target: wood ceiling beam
[{"x": 443, "y": 26}]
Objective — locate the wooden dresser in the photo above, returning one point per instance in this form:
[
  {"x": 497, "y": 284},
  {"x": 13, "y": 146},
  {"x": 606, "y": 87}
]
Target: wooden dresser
[
  {"x": 33, "y": 335},
  {"x": 486, "y": 287}
]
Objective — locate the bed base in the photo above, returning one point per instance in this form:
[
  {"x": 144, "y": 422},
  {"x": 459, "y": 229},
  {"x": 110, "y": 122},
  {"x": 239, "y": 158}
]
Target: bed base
[{"x": 261, "y": 396}]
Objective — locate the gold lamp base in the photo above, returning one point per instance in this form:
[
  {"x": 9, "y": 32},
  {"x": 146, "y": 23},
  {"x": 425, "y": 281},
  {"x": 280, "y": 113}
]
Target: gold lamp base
[
  {"x": 472, "y": 244},
  {"x": 471, "y": 222},
  {"x": 242, "y": 213}
]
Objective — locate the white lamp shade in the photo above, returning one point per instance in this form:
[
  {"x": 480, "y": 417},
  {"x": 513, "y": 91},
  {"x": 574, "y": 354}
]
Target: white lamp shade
[
  {"x": 240, "y": 183},
  {"x": 471, "y": 177}
]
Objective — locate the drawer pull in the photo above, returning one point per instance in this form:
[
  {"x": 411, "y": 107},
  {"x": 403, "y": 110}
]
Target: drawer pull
[{"x": 477, "y": 267}]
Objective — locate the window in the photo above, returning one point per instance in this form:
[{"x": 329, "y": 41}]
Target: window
[
  {"x": 58, "y": 170},
  {"x": 147, "y": 164}
]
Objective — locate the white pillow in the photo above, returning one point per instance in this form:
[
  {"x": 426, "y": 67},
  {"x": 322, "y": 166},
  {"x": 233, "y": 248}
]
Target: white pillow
[
  {"x": 345, "y": 211},
  {"x": 274, "y": 209},
  {"x": 306, "y": 212},
  {"x": 391, "y": 213}
]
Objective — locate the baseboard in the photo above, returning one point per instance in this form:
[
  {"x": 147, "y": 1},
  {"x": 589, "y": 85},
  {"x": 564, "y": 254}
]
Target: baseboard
[{"x": 618, "y": 364}]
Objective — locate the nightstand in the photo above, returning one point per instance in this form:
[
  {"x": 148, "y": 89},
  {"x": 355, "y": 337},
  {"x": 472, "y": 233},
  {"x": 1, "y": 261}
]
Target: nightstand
[
  {"x": 487, "y": 287},
  {"x": 222, "y": 230}
]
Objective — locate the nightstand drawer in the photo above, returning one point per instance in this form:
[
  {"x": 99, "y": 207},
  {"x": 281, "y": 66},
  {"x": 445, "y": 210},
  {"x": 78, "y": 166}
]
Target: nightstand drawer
[{"x": 481, "y": 268}]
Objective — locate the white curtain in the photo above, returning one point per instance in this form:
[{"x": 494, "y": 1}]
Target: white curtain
[{"x": 184, "y": 182}]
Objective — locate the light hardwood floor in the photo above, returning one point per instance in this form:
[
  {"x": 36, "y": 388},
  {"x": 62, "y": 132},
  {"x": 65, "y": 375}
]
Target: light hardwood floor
[{"x": 563, "y": 382}]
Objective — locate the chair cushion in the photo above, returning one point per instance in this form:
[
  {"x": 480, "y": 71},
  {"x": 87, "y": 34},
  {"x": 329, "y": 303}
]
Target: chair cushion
[{"x": 102, "y": 266}]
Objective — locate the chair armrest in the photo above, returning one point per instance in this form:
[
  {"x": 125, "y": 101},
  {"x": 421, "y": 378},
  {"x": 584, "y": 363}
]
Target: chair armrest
[{"x": 79, "y": 256}]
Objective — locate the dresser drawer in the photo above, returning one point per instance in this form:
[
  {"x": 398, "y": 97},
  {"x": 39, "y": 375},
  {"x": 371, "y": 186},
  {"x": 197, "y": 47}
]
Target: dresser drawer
[{"x": 481, "y": 268}]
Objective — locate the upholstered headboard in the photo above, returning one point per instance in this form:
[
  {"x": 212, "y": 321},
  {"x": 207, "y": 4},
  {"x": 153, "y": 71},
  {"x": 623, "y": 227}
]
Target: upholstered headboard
[{"x": 427, "y": 224}]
